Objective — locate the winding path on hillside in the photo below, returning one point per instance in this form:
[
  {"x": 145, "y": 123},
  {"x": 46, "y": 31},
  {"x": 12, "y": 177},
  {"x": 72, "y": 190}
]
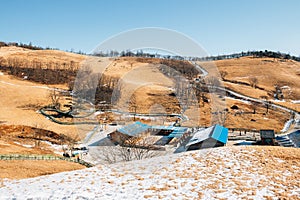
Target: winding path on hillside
[
  {"x": 242, "y": 96},
  {"x": 249, "y": 99},
  {"x": 204, "y": 72}
]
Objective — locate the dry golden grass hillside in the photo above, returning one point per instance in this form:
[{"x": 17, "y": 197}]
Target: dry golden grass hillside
[
  {"x": 50, "y": 59},
  {"x": 145, "y": 89},
  {"x": 268, "y": 71},
  {"x": 20, "y": 100}
]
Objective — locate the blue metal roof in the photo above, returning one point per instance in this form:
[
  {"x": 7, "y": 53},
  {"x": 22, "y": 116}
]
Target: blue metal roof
[
  {"x": 178, "y": 132},
  {"x": 134, "y": 129},
  {"x": 220, "y": 134},
  {"x": 138, "y": 127}
]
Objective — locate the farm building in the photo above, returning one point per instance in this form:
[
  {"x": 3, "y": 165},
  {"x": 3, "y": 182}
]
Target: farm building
[
  {"x": 214, "y": 136},
  {"x": 160, "y": 135},
  {"x": 133, "y": 130},
  {"x": 289, "y": 140}
]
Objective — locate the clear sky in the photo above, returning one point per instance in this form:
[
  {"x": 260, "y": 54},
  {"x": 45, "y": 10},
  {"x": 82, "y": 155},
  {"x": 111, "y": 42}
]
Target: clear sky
[{"x": 220, "y": 26}]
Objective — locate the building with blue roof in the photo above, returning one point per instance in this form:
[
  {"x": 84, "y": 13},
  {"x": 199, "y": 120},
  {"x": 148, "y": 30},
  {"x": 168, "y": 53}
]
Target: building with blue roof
[
  {"x": 133, "y": 130},
  {"x": 138, "y": 129},
  {"x": 214, "y": 136}
]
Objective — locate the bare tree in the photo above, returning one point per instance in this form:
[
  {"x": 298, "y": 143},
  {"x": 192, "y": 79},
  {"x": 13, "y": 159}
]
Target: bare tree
[
  {"x": 221, "y": 117},
  {"x": 37, "y": 134},
  {"x": 131, "y": 63},
  {"x": 71, "y": 143},
  {"x": 267, "y": 103},
  {"x": 253, "y": 81},
  {"x": 134, "y": 148},
  {"x": 109, "y": 154},
  {"x": 223, "y": 74},
  {"x": 55, "y": 97},
  {"x": 133, "y": 105},
  {"x": 142, "y": 147},
  {"x": 254, "y": 106}
]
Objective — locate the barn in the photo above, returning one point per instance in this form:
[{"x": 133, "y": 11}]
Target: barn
[
  {"x": 133, "y": 130},
  {"x": 157, "y": 135},
  {"x": 214, "y": 136}
]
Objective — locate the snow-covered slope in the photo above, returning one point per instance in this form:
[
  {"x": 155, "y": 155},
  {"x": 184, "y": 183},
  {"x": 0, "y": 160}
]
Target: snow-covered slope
[{"x": 228, "y": 172}]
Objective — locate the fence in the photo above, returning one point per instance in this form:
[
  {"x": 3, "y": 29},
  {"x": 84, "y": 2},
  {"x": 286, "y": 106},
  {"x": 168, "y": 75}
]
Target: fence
[{"x": 42, "y": 157}]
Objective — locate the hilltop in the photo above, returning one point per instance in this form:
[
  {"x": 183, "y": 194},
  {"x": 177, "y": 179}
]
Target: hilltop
[{"x": 23, "y": 57}]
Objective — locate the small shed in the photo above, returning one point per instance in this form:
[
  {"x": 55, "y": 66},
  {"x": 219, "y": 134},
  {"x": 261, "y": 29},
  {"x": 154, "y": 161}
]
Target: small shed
[
  {"x": 214, "y": 136},
  {"x": 267, "y": 137}
]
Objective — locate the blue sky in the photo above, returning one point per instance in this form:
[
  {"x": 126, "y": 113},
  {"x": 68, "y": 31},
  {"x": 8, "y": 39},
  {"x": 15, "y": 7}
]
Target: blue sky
[{"x": 220, "y": 26}]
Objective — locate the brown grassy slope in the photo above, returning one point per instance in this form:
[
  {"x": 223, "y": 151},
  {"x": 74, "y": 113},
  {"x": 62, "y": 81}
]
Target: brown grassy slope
[
  {"x": 48, "y": 58},
  {"x": 268, "y": 71},
  {"x": 19, "y": 102},
  {"x": 17, "y": 139},
  {"x": 20, "y": 169},
  {"x": 142, "y": 81},
  {"x": 245, "y": 118}
]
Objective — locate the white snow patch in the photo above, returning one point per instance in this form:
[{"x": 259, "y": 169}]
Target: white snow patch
[
  {"x": 278, "y": 101},
  {"x": 286, "y": 87},
  {"x": 24, "y": 145},
  {"x": 287, "y": 125}
]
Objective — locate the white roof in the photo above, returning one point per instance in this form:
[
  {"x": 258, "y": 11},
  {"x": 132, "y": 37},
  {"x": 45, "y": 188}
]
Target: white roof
[{"x": 200, "y": 136}]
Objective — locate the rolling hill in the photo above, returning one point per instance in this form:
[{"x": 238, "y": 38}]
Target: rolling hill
[{"x": 220, "y": 173}]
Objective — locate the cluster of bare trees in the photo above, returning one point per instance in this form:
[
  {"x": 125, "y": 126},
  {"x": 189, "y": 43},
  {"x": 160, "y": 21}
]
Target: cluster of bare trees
[
  {"x": 34, "y": 70},
  {"x": 259, "y": 54},
  {"x": 185, "y": 93},
  {"x": 135, "y": 148},
  {"x": 34, "y": 47},
  {"x": 27, "y": 46},
  {"x": 184, "y": 67},
  {"x": 95, "y": 87},
  {"x": 220, "y": 117},
  {"x": 38, "y": 64},
  {"x": 171, "y": 67}
]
